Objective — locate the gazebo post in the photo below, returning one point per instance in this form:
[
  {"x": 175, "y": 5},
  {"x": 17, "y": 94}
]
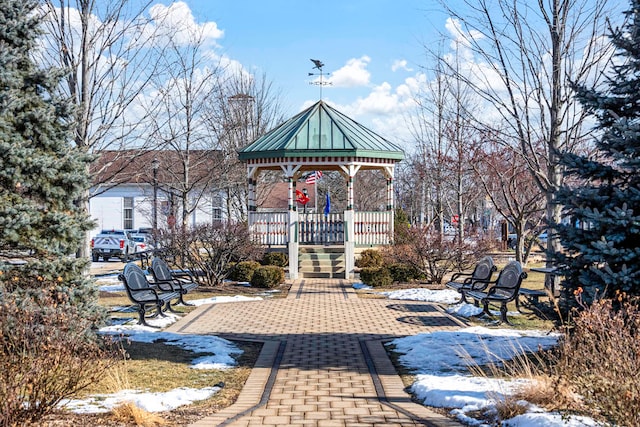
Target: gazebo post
[
  {"x": 349, "y": 223},
  {"x": 389, "y": 171},
  {"x": 292, "y": 243}
]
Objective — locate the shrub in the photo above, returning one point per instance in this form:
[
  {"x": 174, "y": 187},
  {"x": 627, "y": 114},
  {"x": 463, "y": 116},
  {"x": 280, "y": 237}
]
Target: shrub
[
  {"x": 403, "y": 272},
  {"x": 369, "y": 258},
  {"x": 244, "y": 271},
  {"x": 279, "y": 259},
  {"x": 433, "y": 256},
  {"x": 268, "y": 276},
  {"x": 376, "y": 276},
  {"x": 211, "y": 249},
  {"x": 47, "y": 354},
  {"x": 599, "y": 358}
]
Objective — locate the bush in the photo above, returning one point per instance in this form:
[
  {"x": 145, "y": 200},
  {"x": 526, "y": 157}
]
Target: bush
[
  {"x": 599, "y": 358},
  {"x": 434, "y": 256},
  {"x": 404, "y": 273},
  {"x": 268, "y": 276},
  {"x": 279, "y": 259},
  {"x": 376, "y": 276},
  {"x": 212, "y": 249},
  {"x": 47, "y": 353},
  {"x": 370, "y": 258},
  {"x": 244, "y": 271}
]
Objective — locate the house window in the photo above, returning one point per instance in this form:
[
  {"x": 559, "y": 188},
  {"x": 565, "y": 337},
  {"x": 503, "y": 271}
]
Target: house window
[
  {"x": 128, "y": 213},
  {"x": 216, "y": 207}
]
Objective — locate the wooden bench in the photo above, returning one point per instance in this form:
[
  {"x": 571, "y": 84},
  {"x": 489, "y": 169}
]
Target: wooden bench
[
  {"x": 504, "y": 290},
  {"x": 477, "y": 280},
  {"x": 145, "y": 295},
  {"x": 182, "y": 281}
]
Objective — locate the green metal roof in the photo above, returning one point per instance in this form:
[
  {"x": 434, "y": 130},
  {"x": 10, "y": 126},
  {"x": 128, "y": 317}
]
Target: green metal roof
[{"x": 321, "y": 130}]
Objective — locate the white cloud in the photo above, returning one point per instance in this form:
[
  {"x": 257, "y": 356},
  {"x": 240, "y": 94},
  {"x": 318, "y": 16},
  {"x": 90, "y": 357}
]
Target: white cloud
[
  {"x": 353, "y": 74},
  {"x": 459, "y": 36},
  {"x": 400, "y": 64},
  {"x": 180, "y": 23}
]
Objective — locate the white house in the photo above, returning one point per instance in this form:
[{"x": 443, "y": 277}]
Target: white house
[{"x": 126, "y": 182}]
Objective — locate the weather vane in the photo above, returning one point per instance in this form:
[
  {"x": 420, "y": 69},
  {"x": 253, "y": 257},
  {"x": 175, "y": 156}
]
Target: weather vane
[{"x": 318, "y": 65}]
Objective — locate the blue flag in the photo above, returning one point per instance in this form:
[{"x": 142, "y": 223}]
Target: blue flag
[{"x": 327, "y": 206}]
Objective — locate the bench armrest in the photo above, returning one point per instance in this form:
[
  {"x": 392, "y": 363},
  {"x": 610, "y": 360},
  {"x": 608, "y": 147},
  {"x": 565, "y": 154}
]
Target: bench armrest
[{"x": 461, "y": 274}]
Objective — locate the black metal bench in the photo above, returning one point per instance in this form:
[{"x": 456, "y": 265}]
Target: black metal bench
[
  {"x": 180, "y": 281},
  {"x": 145, "y": 295},
  {"x": 477, "y": 280},
  {"x": 532, "y": 297},
  {"x": 505, "y": 289}
]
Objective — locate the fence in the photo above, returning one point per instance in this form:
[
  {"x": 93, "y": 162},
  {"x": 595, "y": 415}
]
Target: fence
[
  {"x": 318, "y": 229},
  {"x": 372, "y": 228},
  {"x": 269, "y": 228}
]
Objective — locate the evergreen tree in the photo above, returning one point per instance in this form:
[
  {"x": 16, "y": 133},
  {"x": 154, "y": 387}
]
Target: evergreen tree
[
  {"x": 602, "y": 242},
  {"x": 41, "y": 173}
]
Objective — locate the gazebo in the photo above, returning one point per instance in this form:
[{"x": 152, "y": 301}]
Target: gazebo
[{"x": 321, "y": 138}]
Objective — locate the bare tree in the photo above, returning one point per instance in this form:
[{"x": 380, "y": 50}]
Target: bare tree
[
  {"x": 103, "y": 47},
  {"x": 427, "y": 127},
  {"x": 523, "y": 57},
  {"x": 243, "y": 108},
  {"x": 183, "y": 91},
  {"x": 444, "y": 130},
  {"x": 512, "y": 190}
]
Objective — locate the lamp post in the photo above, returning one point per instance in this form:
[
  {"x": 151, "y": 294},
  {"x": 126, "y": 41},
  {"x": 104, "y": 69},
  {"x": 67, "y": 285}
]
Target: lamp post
[{"x": 155, "y": 164}]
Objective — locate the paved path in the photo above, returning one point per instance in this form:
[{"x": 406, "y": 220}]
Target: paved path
[{"x": 323, "y": 362}]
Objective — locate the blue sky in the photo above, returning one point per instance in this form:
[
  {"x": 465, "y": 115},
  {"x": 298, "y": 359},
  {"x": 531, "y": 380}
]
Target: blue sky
[
  {"x": 370, "y": 47},
  {"x": 375, "y": 51}
]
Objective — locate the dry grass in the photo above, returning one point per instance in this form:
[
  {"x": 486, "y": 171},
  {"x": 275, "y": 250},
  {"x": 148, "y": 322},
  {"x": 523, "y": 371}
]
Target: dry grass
[{"x": 129, "y": 413}]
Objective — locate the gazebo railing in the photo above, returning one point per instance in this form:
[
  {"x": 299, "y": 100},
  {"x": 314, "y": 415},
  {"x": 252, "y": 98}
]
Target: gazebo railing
[
  {"x": 318, "y": 229},
  {"x": 269, "y": 228},
  {"x": 372, "y": 228},
  {"x": 272, "y": 228}
]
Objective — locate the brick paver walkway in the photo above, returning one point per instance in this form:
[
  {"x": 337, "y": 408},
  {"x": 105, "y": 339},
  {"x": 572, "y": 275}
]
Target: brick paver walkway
[{"x": 323, "y": 362}]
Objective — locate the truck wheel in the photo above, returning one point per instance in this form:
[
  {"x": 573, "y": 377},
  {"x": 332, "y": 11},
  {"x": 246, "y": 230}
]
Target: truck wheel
[
  {"x": 125, "y": 257},
  {"x": 95, "y": 257}
]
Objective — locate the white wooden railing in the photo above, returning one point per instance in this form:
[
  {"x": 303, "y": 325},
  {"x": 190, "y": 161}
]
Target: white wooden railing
[
  {"x": 372, "y": 228},
  {"x": 317, "y": 229},
  {"x": 269, "y": 228}
]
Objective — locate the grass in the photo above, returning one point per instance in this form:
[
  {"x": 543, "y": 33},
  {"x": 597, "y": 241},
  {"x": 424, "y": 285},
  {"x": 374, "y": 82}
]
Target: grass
[{"x": 157, "y": 367}]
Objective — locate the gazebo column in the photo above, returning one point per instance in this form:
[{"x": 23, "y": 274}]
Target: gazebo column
[
  {"x": 292, "y": 242},
  {"x": 252, "y": 178},
  {"x": 389, "y": 171},
  {"x": 349, "y": 223}
]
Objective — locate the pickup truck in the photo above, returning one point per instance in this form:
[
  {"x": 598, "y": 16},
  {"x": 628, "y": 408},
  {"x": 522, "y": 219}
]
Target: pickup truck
[{"x": 112, "y": 243}]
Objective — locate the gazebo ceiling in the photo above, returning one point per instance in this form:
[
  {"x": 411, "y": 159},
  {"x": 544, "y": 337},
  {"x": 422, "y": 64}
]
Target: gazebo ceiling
[{"x": 321, "y": 131}]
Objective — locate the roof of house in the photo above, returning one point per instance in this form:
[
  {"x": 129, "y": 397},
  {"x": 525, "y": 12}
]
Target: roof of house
[
  {"x": 321, "y": 131},
  {"x": 276, "y": 196},
  {"x": 136, "y": 166}
]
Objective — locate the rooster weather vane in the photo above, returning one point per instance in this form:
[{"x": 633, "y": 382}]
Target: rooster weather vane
[{"x": 318, "y": 65}]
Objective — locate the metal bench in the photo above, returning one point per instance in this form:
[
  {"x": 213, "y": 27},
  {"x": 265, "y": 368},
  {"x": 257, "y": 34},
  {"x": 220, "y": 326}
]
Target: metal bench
[
  {"x": 504, "y": 290},
  {"x": 145, "y": 295},
  {"x": 180, "y": 281},
  {"x": 532, "y": 296},
  {"x": 477, "y": 280}
]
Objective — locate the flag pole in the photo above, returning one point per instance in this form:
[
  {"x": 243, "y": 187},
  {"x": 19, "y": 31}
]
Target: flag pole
[{"x": 315, "y": 194}]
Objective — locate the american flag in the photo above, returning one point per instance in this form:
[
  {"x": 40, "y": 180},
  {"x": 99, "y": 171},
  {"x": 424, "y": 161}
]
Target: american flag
[{"x": 312, "y": 178}]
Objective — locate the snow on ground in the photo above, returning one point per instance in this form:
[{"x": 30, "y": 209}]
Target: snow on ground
[
  {"x": 219, "y": 356},
  {"x": 446, "y": 296},
  {"x": 441, "y": 360},
  {"x": 151, "y": 402}
]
